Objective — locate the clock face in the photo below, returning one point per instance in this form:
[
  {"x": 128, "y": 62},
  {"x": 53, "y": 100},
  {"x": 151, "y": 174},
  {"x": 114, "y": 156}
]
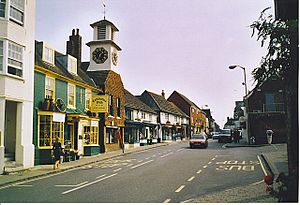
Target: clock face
[
  {"x": 100, "y": 55},
  {"x": 114, "y": 58}
]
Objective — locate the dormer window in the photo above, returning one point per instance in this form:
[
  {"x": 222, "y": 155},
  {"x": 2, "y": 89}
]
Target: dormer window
[
  {"x": 72, "y": 64},
  {"x": 48, "y": 55},
  {"x": 101, "y": 31},
  {"x": 17, "y": 11}
]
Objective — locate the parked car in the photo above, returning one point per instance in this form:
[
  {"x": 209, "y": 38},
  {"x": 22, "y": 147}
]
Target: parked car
[
  {"x": 199, "y": 140},
  {"x": 225, "y": 135},
  {"x": 215, "y": 135}
]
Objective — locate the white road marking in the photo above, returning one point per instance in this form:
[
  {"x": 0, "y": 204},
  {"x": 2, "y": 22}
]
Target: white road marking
[
  {"x": 190, "y": 179},
  {"x": 209, "y": 163},
  {"x": 167, "y": 201},
  {"x": 256, "y": 183},
  {"x": 139, "y": 161},
  {"x": 166, "y": 154},
  {"x": 129, "y": 165},
  {"x": 103, "y": 175},
  {"x": 85, "y": 185},
  {"x": 22, "y": 185},
  {"x": 147, "y": 158},
  {"x": 138, "y": 165},
  {"x": 180, "y": 188},
  {"x": 213, "y": 158},
  {"x": 262, "y": 166},
  {"x": 199, "y": 171},
  {"x": 70, "y": 185},
  {"x": 116, "y": 170},
  {"x": 205, "y": 166},
  {"x": 179, "y": 150}
]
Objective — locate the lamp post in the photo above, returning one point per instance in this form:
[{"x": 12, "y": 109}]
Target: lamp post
[
  {"x": 245, "y": 80},
  {"x": 245, "y": 130}
]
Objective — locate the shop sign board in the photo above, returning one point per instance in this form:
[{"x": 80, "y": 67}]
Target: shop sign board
[
  {"x": 59, "y": 117},
  {"x": 99, "y": 103}
]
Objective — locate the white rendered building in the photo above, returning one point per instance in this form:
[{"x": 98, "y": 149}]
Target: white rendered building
[{"x": 17, "y": 30}]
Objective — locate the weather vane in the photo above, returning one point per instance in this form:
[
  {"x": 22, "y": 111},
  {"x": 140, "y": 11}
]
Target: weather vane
[{"x": 103, "y": 3}]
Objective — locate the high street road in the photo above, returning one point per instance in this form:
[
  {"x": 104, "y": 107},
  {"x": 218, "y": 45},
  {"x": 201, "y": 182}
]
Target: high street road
[{"x": 173, "y": 173}]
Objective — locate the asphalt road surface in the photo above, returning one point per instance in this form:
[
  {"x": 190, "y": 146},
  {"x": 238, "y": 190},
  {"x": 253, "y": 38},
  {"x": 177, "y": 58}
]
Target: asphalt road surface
[{"x": 173, "y": 173}]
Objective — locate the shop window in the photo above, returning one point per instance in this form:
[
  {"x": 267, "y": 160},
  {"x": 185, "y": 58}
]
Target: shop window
[
  {"x": 15, "y": 59},
  {"x": 111, "y": 137},
  {"x": 167, "y": 116},
  {"x": 50, "y": 88},
  {"x": 71, "y": 95},
  {"x": 2, "y": 8},
  {"x": 88, "y": 101},
  {"x": 49, "y": 131},
  {"x": 17, "y": 11},
  {"x": 90, "y": 135}
]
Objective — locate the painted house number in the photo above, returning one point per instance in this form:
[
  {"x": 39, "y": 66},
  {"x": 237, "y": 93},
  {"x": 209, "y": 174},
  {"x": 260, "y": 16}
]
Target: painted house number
[{"x": 237, "y": 165}]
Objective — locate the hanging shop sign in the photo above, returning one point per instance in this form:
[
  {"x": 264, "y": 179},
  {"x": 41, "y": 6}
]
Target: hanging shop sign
[{"x": 99, "y": 103}]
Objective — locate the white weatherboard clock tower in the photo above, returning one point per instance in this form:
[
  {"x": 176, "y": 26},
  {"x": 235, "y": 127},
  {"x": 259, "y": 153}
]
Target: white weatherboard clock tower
[{"x": 103, "y": 49}]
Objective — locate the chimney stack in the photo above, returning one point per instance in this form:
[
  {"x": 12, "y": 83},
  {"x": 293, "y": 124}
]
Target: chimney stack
[
  {"x": 74, "y": 45},
  {"x": 163, "y": 93}
]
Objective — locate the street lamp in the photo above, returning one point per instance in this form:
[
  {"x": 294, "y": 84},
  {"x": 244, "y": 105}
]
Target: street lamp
[
  {"x": 245, "y": 130},
  {"x": 245, "y": 81}
]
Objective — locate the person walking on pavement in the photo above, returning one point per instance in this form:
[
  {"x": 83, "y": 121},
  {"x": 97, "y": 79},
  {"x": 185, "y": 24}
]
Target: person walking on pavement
[
  {"x": 56, "y": 152},
  {"x": 121, "y": 142},
  {"x": 269, "y": 134}
]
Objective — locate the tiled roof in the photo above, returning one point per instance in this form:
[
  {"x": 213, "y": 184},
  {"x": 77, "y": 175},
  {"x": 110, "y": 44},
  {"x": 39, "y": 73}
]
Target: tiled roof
[
  {"x": 59, "y": 69},
  {"x": 99, "y": 77},
  {"x": 165, "y": 105},
  {"x": 135, "y": 103},
  {"x": 187, "y": 100}
]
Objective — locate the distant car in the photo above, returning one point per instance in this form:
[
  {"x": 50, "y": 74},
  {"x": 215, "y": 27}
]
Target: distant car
[
  {"x": 215, "y": 135},
  {"x": 225, "y": 136},
  {"x": 199, "y": 140}
]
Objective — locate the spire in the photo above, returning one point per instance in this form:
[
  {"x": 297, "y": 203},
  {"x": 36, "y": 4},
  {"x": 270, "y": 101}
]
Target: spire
[{"x": 104, "y": 6}]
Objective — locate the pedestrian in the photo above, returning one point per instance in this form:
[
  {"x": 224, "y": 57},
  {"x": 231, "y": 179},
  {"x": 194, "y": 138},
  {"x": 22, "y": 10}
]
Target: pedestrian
[
  {"x": 56, "y": 152},
  {"x": 121, "y": 143},
  {"x": 236, "y": 136},
  {"x": 269, "y": 134}
]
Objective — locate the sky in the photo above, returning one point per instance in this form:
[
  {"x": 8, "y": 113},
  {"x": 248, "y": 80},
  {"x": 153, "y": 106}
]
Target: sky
[{"x": 182, "y": 45}]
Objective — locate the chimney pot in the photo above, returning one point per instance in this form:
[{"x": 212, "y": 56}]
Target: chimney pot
[
  {"x": 77, "y": 32},
  {"x": 73, "y": 32}
]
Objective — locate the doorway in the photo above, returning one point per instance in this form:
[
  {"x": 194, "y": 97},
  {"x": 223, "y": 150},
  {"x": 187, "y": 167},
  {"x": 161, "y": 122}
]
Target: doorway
[{"x": 10, "y": 130}]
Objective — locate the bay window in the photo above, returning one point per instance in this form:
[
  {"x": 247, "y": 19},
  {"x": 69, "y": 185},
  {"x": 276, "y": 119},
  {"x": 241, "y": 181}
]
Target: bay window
[
  {"x": 15, "y": 59},
  {"x": 16, "y": 12}
]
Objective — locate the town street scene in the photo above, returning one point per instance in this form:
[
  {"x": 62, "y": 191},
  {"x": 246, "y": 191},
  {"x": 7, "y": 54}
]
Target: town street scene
[{"x": 149, "y": 101}]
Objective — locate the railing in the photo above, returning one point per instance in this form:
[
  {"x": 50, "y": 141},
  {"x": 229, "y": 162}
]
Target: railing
[{"x": 273, "y": 107}]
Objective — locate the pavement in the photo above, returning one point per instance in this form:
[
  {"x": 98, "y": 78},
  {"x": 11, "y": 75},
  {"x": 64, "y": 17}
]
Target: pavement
[{"x": 274, "y": 158}]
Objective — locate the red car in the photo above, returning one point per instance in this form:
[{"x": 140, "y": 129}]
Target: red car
[{"x": 199, "y": 140}]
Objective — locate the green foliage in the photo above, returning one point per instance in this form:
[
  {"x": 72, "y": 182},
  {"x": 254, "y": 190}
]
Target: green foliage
[{"x": 281, "y": 38}]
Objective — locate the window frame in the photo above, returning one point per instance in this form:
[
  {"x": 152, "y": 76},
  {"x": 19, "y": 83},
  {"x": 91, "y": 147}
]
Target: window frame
[
  {"x": 3, "y": 2},
  {"x": 72, "y": 64},
  {"x": 53, "y": 91},
  {"x": 88, "y": 99},
  {"x": 17, "y": 9},
  {"x": 1, "y": 55},
  {"x": 16, "y": 56},
  {"x": 93, "y": 132},
  {"x": 69, "y": 95},
  {"x": 48, "y": 54},
  {"x": 50, "y": 132}
]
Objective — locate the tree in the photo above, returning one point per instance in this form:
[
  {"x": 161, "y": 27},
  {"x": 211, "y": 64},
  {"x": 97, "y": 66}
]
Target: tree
[{"x": 282, "y": 61}]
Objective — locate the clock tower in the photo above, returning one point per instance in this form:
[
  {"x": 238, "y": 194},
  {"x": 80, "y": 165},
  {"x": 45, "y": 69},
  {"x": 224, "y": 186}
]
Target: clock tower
[{"x": 103, "y": 49}]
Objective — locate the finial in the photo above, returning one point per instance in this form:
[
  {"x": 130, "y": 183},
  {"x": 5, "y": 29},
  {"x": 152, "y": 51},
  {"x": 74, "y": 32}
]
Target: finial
[{"x": 103, "y": 3}]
